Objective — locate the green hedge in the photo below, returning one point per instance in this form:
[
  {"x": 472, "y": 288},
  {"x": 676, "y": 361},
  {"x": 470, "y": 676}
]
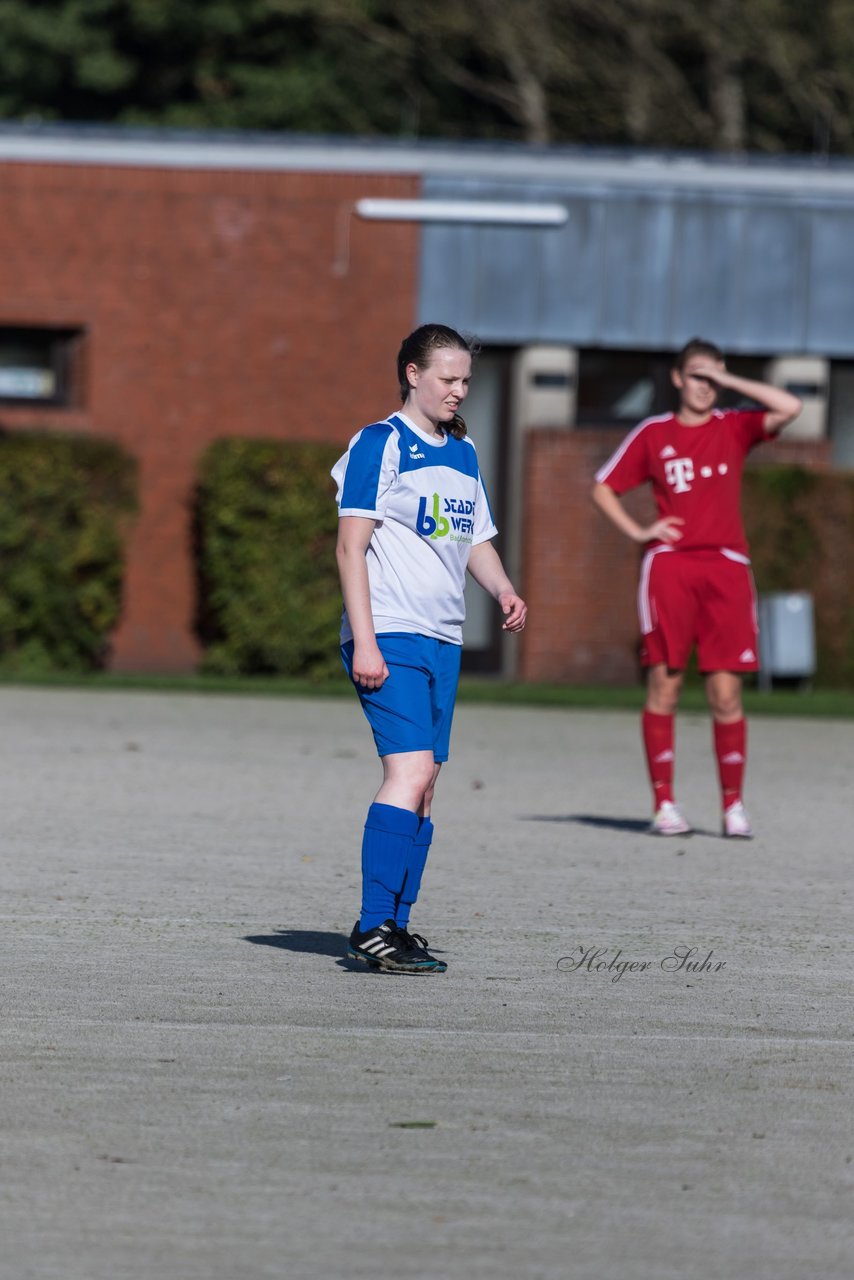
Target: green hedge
[
  {"x": 266, "y": 525},
  {"x": 800, "y": 525},
  {"x": 64, "y": 505},
  {"x": 270, "y": 603}
]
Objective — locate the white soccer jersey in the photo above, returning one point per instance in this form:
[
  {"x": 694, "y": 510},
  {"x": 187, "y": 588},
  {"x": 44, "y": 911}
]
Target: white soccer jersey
[{"x": 431, "y": 508}]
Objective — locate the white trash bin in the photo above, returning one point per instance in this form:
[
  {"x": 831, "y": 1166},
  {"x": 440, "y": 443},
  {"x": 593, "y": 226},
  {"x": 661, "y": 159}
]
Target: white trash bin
[{"x": 786, "y": 637}]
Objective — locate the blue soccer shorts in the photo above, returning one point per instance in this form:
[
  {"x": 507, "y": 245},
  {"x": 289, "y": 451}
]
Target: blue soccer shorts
[{"x": 414, "y": 708}]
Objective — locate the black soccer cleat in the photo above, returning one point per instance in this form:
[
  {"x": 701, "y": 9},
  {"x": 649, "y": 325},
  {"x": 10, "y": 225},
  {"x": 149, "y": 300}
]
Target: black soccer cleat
[{"x": 393, "y": 950}]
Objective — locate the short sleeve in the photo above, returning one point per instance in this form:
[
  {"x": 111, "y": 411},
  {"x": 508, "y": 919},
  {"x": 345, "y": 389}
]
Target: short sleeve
[
  {"x": 628, "y": 466},
  {"x": 750, "y": 427},
  {"x": 366, "y": 472}
]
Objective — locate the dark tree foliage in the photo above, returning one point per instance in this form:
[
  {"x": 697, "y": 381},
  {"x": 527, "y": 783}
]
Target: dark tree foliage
[{"x": 767, "y": 75}]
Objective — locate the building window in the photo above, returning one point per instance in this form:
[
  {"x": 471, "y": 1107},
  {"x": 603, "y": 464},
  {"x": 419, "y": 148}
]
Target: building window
[
  {"x": 619, "y": 388},
  {"x": 38, "y": 366}
]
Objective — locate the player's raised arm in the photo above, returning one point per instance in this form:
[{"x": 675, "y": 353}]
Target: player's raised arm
[{"x": 781, "y": 406}]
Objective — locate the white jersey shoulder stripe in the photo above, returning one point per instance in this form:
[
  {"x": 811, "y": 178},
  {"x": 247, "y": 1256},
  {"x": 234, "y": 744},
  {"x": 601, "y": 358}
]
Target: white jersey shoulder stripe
[{"x": 605, "y": 471}]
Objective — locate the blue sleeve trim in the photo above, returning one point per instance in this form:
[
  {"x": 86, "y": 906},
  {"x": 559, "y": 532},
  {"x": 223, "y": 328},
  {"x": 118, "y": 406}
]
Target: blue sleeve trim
[{"x": 364, "y": 466}]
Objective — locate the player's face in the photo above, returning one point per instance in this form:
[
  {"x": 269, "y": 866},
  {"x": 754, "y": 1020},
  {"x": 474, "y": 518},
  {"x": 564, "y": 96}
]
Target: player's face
[
  {"x": 697, "y": 392},
  {"x": 435, "y": 393}
]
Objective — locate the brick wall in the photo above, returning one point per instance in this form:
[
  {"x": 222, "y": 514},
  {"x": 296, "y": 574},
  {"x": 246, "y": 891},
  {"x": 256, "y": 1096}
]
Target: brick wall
[
  {"x": 580, "y": 573},
  {"x": 221, "y": 302},
  {"x": 214, "y": 303}
]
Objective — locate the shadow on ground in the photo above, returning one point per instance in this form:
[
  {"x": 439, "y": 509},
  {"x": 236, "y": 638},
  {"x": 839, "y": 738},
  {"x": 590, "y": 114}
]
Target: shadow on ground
[
  {"x": 311, "y": 941},
  {"x": 590, "y": 820},
  {"x": 609, "y": 824}
]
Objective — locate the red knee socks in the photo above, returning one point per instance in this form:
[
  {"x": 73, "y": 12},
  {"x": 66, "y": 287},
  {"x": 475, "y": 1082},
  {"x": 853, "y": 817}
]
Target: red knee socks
[
  {"x": 731, "y": 752},
  {"x": 658, "y": 744}
]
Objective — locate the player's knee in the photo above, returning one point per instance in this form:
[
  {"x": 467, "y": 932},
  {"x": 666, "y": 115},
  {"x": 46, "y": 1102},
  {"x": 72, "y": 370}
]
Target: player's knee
[
  {"x": 727, "y": 711},
  {"x": 665, "y": 704},
  {"x": 663, "y": 693},
  {"x": 421, "y": 778},
  {"x": 725, "y": 705}
]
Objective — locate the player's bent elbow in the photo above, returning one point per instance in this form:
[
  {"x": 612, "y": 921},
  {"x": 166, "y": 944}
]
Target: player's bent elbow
[{"x": 795, "y": 412}]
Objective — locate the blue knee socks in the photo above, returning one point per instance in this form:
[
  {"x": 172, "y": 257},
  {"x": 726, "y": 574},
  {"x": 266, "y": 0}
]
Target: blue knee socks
[
  {"x": 386, "y": 851},
  {"x": 414, "y": 871}
]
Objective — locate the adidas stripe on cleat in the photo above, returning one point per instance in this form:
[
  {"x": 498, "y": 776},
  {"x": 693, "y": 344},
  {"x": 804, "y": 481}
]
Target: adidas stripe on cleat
[{"x": 393, "y": 950}]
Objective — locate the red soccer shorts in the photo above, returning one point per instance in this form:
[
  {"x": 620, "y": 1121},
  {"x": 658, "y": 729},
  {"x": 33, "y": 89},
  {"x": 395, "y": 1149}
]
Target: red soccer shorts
[{"x": 702, "y": 598}]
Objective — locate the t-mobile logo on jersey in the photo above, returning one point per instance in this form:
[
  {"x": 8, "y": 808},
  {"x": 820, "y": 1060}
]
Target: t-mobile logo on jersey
[{"x": 679, "y": 472}]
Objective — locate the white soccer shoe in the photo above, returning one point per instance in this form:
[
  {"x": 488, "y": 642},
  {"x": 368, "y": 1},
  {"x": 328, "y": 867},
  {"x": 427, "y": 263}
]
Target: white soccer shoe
[
  {"x": 670, "y": 821},
  {"x": 736, "y": 823}
]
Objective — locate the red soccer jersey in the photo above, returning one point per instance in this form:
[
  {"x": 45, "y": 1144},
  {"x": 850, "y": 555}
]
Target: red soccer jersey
[{"x": 695, "y": 473}]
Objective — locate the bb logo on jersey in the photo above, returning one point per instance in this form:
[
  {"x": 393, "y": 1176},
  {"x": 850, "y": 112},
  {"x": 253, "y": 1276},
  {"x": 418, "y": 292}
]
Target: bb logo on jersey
[
  {"x": 458, "y": 517},
  {"x": 434, "y": 526},
  {"x": 679, "y": 472}
]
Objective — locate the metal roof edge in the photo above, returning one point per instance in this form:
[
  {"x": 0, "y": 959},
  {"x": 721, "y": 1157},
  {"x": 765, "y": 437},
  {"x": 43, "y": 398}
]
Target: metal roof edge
[{"x": 81, "y": 144}]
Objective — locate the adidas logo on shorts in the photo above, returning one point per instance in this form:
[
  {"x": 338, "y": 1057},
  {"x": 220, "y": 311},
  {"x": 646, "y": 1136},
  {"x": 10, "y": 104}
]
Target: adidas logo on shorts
[{"x": 747, "y": 656}]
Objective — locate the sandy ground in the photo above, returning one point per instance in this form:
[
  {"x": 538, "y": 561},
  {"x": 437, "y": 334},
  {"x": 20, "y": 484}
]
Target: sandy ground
[{"x": 196, "y": 1084}]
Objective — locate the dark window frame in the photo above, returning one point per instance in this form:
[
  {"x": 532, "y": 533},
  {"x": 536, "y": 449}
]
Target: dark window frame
[{"x": 62, "y": 348}]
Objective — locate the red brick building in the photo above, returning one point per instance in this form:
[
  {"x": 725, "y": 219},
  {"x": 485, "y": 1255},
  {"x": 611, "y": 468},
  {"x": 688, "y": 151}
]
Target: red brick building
[
  {"x": 199, "y": 286},
  {"x": 204, "y": 302}
]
